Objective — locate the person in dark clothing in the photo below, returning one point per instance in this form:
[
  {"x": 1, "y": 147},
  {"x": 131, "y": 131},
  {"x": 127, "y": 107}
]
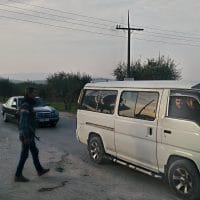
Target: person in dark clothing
[{"x": 27, "y": 136}]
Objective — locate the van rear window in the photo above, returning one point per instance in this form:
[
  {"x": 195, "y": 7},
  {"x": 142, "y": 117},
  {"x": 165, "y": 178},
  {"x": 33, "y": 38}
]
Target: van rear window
[{"x": 102, "y": 101}]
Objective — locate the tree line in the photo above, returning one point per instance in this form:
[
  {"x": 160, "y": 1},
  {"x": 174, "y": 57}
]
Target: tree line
[
  {"x": 59, "y": 87},
  {"x": 65, "y": 87}
]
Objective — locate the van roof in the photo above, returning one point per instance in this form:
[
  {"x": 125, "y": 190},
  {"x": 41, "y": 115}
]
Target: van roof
[{"x": 146, "y": 84}]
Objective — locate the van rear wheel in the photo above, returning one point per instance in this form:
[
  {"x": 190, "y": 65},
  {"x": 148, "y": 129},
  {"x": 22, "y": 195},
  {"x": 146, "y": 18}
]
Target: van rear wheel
[
  {"x": 184, "y": 179},
  {"x": 96, "y": 149}
]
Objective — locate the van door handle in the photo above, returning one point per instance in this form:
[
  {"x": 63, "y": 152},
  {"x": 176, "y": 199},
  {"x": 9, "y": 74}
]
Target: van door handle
[
  {"x": 149, "y": 132},
  {"x": 167, "y": 131}
]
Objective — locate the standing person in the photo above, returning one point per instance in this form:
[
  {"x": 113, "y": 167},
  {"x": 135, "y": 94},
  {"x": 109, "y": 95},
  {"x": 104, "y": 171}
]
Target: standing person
[{"x": 27, "y": 136}]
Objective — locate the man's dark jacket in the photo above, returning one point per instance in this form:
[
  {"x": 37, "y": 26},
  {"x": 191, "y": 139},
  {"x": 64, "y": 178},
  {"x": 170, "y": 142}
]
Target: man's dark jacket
[{"x": 27, "y": 124}]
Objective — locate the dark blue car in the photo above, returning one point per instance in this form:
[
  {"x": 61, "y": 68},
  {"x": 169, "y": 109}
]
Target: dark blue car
[{"x": 44, "y": 114}]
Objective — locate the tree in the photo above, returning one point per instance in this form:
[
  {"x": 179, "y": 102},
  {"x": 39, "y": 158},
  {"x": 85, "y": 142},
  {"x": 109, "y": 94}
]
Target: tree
[
  {"x": 66, "y": 86},
  {"x": 6, "y": 88},
  {"x": 153, "y": 69}
]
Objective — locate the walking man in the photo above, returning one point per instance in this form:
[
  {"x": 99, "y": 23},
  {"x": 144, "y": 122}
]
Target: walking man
[{"x": 27, "y": 136}]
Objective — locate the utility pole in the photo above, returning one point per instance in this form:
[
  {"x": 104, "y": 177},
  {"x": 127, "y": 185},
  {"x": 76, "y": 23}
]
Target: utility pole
[{"x": 129, "y": 29}]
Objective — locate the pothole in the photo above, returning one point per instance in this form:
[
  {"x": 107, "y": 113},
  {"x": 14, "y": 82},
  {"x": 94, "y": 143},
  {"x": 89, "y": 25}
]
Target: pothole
[{"x": 49, "y": 189}]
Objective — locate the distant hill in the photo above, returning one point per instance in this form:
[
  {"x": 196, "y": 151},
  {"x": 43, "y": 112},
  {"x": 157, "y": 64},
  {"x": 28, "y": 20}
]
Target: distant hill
[
  {"x": 34, "y": 81},
  {"x": 36, "y": 77}
]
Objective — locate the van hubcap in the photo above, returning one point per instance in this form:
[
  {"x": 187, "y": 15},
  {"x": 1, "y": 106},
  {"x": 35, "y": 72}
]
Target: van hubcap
[
  {"x": 95, "y": 150},
  {"x": 182, "y": 181}
]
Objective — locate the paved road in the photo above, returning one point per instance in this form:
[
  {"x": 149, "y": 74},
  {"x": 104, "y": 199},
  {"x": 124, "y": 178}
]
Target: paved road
[{"x": 109, "y": 181}]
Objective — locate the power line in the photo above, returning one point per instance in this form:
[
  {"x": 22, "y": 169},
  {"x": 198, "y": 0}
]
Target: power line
[
  {"x": 54, "y": 19},
  {"x": 105, "y": 25},
  {"x": 174, "y": 36},
  {"x": 172, "y": 31},
  {"x": 164, "y": 42},
  {"x": 99, "y": 33},
  {"x": 110, "y": 21},
  {"x": 63, "y": 27},
  {"x": 39, "y": 12},
  {"x": 152, "y": 34},
  {"x": 57, "y": 10}
]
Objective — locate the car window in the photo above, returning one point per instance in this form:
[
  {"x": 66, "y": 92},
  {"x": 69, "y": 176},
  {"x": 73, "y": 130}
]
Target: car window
[
  {"x": 184, "y": 105},
  {"x": 127, "y": 103},
  {"x": 39, "y": 102},
  {"x": 146, "y": 105},
  {"x": 14, "y": 102},
  {"x": 102, "y": 101},
  {"x": 20, "y": 100},
  {"x": 90, "y": 100},
  {"x": 138, "y": 104},
  {"x": 107, "y": 101},
  {"x": 9, "y": 102}
]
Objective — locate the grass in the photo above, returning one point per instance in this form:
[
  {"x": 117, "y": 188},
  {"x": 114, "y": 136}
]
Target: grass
[{"x": 60, "y": 106}]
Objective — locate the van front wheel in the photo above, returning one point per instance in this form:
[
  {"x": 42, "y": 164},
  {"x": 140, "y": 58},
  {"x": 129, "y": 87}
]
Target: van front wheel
[
  {"x": 184, "y": 179},
  {"x": 96, "y": 149}
]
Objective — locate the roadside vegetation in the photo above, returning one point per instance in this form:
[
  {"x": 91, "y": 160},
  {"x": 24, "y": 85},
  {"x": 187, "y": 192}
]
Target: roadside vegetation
[{"x": 61, "y": 90}]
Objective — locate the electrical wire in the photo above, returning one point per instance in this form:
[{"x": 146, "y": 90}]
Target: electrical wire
[
  {"x": 15, "y": 12},
  {"x": 99, "y": 33},
  {"x": 63, "y": 27},
  {"x": 39, "y": 12},
  {"x": 105, "y": 20},
  {"x": 57, "y": 10}
]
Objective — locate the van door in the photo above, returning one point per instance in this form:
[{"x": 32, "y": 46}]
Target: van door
[
  {"x": 136, "y": 128},
  {"x": 180, "y": 128}
]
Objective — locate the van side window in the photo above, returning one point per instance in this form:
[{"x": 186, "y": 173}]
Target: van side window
[
  {"x": 141, "y": 105},
  {"x": 184, "y": 105},
  {"x": 127, "y": 104},
  {"x": 107, "y": 101},
  {"x": 146, "y": 106},
  {"x": 90, "y": 100},
  {"x": 102, "y": 101}
]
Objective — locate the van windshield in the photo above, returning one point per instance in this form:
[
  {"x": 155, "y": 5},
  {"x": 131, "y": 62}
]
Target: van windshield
[{"x": 184, "y": 104}]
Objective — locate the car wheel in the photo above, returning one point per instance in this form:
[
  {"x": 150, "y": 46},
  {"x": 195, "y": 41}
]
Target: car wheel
[
  {"x": 184, "y": 179},
  {"x": 5, "y": 117},
  {"x": 96, "y": 149}
]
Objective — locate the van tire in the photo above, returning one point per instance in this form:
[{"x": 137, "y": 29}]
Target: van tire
[
  {"x": 96, "y": 149},
  {"x": 184, "y": 179}
]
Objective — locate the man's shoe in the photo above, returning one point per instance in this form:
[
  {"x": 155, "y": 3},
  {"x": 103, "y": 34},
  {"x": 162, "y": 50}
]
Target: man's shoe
[
  {"x": 21, "y": 179},
  {"x": 43, "y": 171}
]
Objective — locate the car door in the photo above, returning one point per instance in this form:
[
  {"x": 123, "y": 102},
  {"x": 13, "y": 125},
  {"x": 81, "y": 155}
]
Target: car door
[
  {"x": 181, "y": 130},
  {"x": 136, "y": 128}
]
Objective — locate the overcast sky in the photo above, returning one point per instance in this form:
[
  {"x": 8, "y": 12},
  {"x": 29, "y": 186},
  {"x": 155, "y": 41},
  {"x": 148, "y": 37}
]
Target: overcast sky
[{"x": 32, "y": 51}]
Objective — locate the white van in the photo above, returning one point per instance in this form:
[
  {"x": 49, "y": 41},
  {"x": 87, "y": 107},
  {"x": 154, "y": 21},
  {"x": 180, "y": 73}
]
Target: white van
[{"x": 153, "y": 126}]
